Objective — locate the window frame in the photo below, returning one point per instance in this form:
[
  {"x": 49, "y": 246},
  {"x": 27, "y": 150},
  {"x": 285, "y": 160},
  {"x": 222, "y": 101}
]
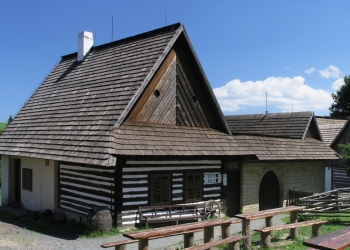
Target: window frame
[
  {"x": 27, "y": 179},
  {"x": 186, "y": 186},
  {"x": 153, "y": 176}
]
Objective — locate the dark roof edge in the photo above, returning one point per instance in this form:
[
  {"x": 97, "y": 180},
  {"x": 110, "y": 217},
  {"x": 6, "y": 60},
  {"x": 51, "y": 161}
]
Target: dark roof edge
[
  {"x": 148, "y": 33},
  {"x": 217, "y": 106},
  {"x": 340, "y": 133},
  {"x": 148, "y": 78}
]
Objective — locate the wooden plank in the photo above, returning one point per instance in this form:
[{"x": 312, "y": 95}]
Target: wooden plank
[
  {"x": 288, "y": 226},
  {"x": 337, "y": 240},
  {"x": 164, "y": 231},
  {"x": 218, "y": 243},
  {"x": 267, "y": 213}
]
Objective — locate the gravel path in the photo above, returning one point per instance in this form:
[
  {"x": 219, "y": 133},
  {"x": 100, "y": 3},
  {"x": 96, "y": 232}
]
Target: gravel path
[{"x": 16, "y": 237}]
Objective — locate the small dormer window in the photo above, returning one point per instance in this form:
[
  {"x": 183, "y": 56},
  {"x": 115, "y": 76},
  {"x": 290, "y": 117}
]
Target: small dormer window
[{"x": 156, "y": 93}]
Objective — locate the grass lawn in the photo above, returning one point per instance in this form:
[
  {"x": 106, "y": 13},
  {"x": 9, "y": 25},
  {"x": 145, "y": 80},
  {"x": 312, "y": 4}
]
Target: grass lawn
[{"x": 2, "y": 125}]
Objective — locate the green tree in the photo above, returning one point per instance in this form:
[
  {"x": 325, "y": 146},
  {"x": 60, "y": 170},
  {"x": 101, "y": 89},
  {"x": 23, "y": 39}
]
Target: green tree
[
  {"x": 341, "y": 100},
  {"x": 345, "y": 154},
  {"x": 9, "y": 120}
]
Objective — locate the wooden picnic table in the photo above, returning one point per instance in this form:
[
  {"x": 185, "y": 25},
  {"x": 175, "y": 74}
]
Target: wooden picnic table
[
  {"x": 337, "y": 240},
  {"x": 185, "y": 229},
  {"x": 267, "y": 214}
]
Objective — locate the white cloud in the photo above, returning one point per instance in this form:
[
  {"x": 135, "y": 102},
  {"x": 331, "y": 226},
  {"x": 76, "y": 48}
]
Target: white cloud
[
  {"x": 331, "y": 71},
  {"x": 338, "y": 83},
  {"x": 282, "y": 92},
  {"x": 310, "y": 70}
]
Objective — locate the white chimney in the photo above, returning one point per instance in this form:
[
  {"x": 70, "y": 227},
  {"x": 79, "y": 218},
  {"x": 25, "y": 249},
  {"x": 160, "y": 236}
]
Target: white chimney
[{"x": 85, "y": 42}]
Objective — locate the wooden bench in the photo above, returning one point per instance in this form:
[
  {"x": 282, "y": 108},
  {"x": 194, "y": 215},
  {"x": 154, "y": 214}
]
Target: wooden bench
[
  {"x": 265, "y": 239},
  {"x": 337, "y": 240},
  {"x": 120, "y": 245},
  {"x": 233, "y": 242},
  {"x": 167, "y": 213}
]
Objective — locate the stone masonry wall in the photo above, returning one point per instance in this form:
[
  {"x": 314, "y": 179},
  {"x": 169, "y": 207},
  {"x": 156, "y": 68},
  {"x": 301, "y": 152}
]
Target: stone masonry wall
[{"x": 300, "y": 176}]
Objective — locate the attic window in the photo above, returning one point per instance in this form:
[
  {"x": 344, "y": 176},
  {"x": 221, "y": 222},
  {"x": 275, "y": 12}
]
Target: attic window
[
  {"x": 156, "y": 93},
  {"x": 194, "y": 99}
]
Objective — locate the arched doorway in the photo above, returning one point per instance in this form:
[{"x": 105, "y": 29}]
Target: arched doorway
[{"x": 269, "y": 192}]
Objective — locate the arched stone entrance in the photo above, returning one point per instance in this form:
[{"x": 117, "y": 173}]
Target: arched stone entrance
[{"x": 269, "y": 192}]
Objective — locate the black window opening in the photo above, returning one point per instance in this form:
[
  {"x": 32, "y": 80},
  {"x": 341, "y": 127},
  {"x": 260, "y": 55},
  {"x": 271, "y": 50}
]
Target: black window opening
[
  {"x": 160, "y": 187},
  {"x": 27, "y": 179},
  {"x": 193, "y": 187}
]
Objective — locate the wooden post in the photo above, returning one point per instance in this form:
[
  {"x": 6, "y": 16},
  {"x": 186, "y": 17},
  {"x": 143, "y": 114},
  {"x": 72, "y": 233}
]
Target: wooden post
[
  {"x": 268, "y": 223},
  {"x": 226, "y": 230},
  {"x": 209, "y": 235},
  {"x": 143, "y": 244},
  {"x": 246, "y": 232},
  {"x": 265, "y": 240},
  {"x": 234, "y": 246},
  {"x": 121, "y": 247},
  {"x": 338, "y": 208},
  {"x": 188, "y": 240},
  {"x": 294, "y": 219},
  {"x": 316, "y": 230}
]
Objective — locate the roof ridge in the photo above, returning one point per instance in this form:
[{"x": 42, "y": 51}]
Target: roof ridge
[{"x": 164, "y": 29}]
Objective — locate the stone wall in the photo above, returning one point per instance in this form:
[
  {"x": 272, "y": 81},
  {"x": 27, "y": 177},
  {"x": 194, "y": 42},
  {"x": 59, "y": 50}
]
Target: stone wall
[{"x": 306, "y": 176}]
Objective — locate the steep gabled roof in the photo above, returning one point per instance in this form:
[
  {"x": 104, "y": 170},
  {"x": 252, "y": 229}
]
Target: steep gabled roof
[
  {"x": 71, "y": 115},
  {"x": 297, "y": 125},
  {"x": 161, "y": 140},
  {"x": 330, "y": 128}
]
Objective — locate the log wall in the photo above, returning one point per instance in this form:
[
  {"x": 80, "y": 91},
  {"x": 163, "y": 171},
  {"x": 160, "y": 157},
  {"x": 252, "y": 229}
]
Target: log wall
[
  {"x": 136, "y": 185},
  {"x": 83, "y": 187}
]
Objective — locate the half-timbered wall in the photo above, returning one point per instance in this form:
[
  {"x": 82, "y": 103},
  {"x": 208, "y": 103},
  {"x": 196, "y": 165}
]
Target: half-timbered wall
[
  {"x": 84, "y": 187},
  {"x": 136, "y": 176}
]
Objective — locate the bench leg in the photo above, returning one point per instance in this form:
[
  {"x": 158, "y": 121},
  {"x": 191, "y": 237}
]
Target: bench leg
[
  {"x": 225, "y": 230},
  {"x": 293, "y": 219},
  {"x": 143, "y": 244},
  {"x": 246, "y": 232},
  {"x": 316, "y": 230},
  {"x": 234, "y": 246},
  {"x": 209, "y": 235},
  {"x": 121, "y": 247},
  {"x": 265, "y": 240},
  {"x": 188, "y": 240}
]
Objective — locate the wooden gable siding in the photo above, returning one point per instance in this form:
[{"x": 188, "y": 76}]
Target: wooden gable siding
[
  {"x": 313, "y": 130},
  {"x": 159, "y": 109},
  {"x": 81, "y": 188},
  {"x": 134, "y": 185},
  {"x": 170, "y": 98},
  {"x": 189, "y": 109}
]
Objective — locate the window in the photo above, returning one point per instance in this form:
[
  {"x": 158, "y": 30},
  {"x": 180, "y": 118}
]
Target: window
[
  {"x": 27, "y": 179},
  {"x": 160, "y": 187},
  {"x": 193, "y": 187}
]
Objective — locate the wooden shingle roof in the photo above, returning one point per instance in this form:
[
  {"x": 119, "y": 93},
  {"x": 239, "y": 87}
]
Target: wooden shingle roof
[
  {"x": 330, "y": 128},
  {"x": 72, "y": 113},
  {"x": 160, "y": 140},
  {"x": 282, "y": 125}
]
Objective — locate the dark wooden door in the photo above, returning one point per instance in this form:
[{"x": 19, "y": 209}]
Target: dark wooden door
[
  {"x": 269, "y": 192},
  {"x": 233, "y": 192},
  {"x": 17, "y": 180}
]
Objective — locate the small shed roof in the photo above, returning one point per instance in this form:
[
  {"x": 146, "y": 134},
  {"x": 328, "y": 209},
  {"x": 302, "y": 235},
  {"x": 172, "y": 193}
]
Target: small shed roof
[
  {"x": 160, "y": 140},
  {"x": 330, "y": 128},
  {"x": 282, "y": 125}
]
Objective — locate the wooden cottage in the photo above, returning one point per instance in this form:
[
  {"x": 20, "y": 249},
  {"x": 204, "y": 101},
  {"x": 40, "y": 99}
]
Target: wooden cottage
[
  {"x": 335, "y": 131},
  {"x": 135, "y": 122}
]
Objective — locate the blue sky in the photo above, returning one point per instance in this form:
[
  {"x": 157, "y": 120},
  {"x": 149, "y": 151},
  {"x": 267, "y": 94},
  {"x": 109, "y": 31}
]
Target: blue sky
[{"x": 296, "y": 51}]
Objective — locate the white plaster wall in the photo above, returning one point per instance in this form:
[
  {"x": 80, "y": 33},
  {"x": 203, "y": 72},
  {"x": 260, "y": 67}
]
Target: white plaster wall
[
  {"x": 44, "y": 185},
  {"x": 5, "y": 183}
]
